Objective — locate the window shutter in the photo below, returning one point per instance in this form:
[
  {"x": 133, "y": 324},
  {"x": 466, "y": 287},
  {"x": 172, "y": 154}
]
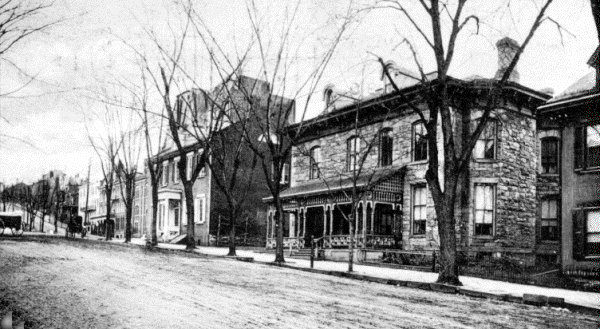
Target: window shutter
[
  {"x": 196, "y": 209},
  {"x": 578, "y": 147},
  {"x": 578, "y": 235}
]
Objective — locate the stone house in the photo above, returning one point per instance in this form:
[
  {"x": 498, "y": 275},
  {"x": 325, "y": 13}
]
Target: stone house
[
  {"x": 569, "y": 136},
  {"x": 497, "y": 211}
]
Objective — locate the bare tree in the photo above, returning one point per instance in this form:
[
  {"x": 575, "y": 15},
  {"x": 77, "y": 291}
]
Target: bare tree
[
  {"x": 128, "y": 159},
  {"x": 268, "y": 114},
  {"x": 444, "y": 24},
  {"x": 107, "y": 146},
  {"x": 18, "y": 21}
]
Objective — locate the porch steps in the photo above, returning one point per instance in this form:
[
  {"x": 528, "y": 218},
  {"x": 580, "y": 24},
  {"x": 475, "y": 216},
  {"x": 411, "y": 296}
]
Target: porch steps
[{"x": 180, "y": 239}]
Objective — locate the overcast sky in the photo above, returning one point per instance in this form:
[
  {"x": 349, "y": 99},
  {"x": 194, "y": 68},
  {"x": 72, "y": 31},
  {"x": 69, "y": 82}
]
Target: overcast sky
[{"x": 74, "y": 56}]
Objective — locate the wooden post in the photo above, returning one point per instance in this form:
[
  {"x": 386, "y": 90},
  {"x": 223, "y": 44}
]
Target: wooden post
[{"x": 312, "y": 251}]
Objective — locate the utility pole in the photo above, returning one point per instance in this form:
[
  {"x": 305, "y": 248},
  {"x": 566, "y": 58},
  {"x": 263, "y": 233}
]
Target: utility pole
[{"x": 87, "y": 196}]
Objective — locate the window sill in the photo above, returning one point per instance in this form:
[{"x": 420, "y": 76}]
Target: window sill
[
  {"x": 549, "y": 242},
  {"x": 587, "y": 170},
  {"x": 550, "y": 174},
  {"x": 485, "y": 160},
  {"x": 592, "y": 257},
  {"x": 417, "y": 236},
  {"x": 483, "y": 237},
  {"x": 418, "y": 162}
]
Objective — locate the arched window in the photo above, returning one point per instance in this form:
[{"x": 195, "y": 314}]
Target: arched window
[
  {"x": 315, "y": 159},
  {"x": 549, "y": 155},
  {"x": 419, "y": 141},
  {"x": 352, "y": 151},
  {"x": 386, "y": 146}
]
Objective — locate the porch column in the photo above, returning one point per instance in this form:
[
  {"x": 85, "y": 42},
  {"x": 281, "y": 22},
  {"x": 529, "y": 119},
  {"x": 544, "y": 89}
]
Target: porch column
[
  {"x": 373, "y": 218},
  {"x": 364, "y": 226},
  {"x": 304, "y": 223},
  {"x": 325, "y": 219},
  {"x": 331, "y": 208}
]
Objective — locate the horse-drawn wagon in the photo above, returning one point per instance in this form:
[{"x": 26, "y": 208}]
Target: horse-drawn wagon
[
  {"x": 75, "y": 226},
  {"x": 11, "y": 221}
]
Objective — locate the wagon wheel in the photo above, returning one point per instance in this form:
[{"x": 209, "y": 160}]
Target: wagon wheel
[
  {"x": 1, "y": 227},
  {"x": 17, "y": 231}
]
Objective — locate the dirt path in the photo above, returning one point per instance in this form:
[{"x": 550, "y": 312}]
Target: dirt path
[{"x": 63, "y": 284}]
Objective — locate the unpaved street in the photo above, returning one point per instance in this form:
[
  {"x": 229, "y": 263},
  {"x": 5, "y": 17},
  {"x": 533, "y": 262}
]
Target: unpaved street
[{"x": 70, "y": 284}]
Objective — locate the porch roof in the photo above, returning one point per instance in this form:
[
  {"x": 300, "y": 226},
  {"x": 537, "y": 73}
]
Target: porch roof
[{"x": 364, "y": 181}]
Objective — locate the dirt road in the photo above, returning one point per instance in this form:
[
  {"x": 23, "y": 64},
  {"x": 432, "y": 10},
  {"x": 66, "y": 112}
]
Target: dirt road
[{"x": 68, "y": 284}]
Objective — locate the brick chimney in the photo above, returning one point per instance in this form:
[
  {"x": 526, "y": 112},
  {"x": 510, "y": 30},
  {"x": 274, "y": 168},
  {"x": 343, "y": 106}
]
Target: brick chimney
[{"x": 507, "y": 49}]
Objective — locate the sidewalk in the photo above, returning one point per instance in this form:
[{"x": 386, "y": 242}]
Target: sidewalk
[{"x": 417, "y": 279}]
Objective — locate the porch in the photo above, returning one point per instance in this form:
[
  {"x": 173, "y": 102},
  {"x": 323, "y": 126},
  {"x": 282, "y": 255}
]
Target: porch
[{"x": 323, "y": 211}]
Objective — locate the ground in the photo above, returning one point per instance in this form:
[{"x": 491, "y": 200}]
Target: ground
[{"x": 53, "y": 283}]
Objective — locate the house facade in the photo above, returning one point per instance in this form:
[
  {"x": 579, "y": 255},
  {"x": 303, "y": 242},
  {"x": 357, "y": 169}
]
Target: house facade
[
  {"x": 569, "y": 131},
  {"x": 211, "y": 210},
  {"x": 376, "y": 148}
]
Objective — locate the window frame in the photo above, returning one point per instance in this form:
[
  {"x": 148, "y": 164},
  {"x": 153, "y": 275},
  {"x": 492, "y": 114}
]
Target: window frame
[
  {"x": 352, "y": 152},
  {"x": 587, "y": 248},
  {"x": 556, "y": 219},
  {"x": 285, "y": 174},
  {"x": 200, "y": 209},
  {"x": 543, "y": 142},
  {"x": 165, "y": 173},
  {"x": 412, "y": 211},
  {"x": 386, "y": 140},
  {"x": 314, "y": 172},
  {"x": 493, "y": 210},
  {"x": 493, "y": 124},
  {"x": 424, "y": 137},
  {"x": 581, "y": 148}
]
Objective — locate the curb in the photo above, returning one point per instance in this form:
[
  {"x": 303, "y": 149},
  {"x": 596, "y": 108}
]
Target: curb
[{"x": 527, "y": 299}]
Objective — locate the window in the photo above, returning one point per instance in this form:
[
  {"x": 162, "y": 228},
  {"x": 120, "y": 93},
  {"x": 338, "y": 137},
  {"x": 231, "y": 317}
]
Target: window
[
  {"x": 173, "y": 171},
  {"x": 285, "y": 174},
  {"x": 419, "y": 209},
  {"x": 386, "y": 146},
  {"x": 587, "y": 147},
  {"x": 188, "y": 168},
  {"x": 176, "y": 170},
  {"x": 484, "y": 209},
  {"x": 165, "y": 173},
  {"x": 315, "y": 159},
  {"x": 592, "y": 239},
  {"x": 352, "y": 151},
  {"x": 202, "y": 172},
  {"x": 200, "y": 209},
  {"x": 549, "y": 155},
  {"x": 419, "y": 141},
  {"x": 486, "y": 144},
  {"x": 550, "y": 219}
]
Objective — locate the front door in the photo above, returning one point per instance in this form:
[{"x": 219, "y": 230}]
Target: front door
[{"x": 314, "y": 224}]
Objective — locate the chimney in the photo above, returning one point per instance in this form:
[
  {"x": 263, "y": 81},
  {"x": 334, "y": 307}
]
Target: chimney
[{"x": 507, "y": 49}]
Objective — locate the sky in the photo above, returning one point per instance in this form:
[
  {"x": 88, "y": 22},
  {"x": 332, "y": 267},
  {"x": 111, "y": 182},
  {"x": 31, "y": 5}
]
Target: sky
[{"x": 46, "y": 119}]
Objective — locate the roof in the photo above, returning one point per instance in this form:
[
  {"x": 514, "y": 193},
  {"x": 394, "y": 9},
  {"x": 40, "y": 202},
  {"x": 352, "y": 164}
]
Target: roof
[
  {"x": 581, "y": 91},
  {"x": 324, "y": 186}
]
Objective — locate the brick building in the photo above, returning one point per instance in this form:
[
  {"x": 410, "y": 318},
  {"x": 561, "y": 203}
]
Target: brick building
[
  {"x": 497, "y": 209},
  {"x": 209, "y": 202}
]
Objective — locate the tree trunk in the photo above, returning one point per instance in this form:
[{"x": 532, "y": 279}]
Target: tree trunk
[
  {"x": 129, "y": 195},
  {"x": 107, "y": 221},
  {"x": 189, "y": 204},
  {"x": 448, "y": 268},
  {"x": 351, "y": 248},
  {"x": 232, "y": 215},
  {"x": 279, "y": 233},
  {"x": 154, "y": 192}
]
